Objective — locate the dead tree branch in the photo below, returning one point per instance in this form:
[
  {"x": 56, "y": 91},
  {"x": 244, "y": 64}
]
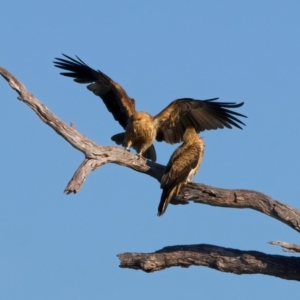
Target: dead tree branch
[
  {"x": 228, "y": 260},
  {"x": 200, "y": 193},
  {"x": 95, "y": 155},
  {"x": 219, "y": 258},
  {"x": 286, "y": 246}
]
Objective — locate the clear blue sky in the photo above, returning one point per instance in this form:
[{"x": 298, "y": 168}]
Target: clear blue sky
[{"x": 55, "y": 246}]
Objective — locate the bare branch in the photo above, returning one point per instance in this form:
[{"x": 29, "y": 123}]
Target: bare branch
[
  {"x": 96, "y": 156},
  {"x": 112, "y": 155},
  {"x": 223, "y": 259},
  {"x": 219, "y": 258},
  {"x": 286, "y": 246},
  {"x": 200, "y": 193},
  {"x": 76, "y": 139}
]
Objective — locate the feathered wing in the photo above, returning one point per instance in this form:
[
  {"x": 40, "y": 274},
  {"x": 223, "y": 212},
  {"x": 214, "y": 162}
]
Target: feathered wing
[
  {"x": 201, "y": 114},
  {"x": 113, "y": 95},
  {"x": 182, "y": 162}
]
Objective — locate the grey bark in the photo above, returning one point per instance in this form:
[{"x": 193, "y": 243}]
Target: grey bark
[
  {"x": 96, "y": 156},
  {"x": 218, "y": 258},
  {"x": 286, "y": 247}
]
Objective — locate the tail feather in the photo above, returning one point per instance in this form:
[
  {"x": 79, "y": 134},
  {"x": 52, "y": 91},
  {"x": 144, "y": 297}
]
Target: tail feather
[
  {"x": 118, "y": 138},
  {"x": 165, "y": 198},
  {"x": 150, "y": 153}
]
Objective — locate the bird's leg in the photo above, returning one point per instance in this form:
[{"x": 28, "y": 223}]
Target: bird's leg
[
  {"x": 141, "y": 152},
  {"x": 139, "y": 155},
  {"x": 127, "y": 148}
]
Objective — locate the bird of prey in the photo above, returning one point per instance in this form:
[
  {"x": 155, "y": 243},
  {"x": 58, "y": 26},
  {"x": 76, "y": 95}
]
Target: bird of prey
[
  {"x": 141, "y": 129},
  {"x": 181, "y": 168}
]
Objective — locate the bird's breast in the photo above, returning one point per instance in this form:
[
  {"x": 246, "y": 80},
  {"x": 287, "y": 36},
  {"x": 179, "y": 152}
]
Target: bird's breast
[{"x": 145, "y": 131}]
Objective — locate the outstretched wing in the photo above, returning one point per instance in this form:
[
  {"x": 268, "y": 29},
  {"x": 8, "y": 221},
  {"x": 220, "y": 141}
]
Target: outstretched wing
[
  {"x": 200, "y": 114},
  {"x": 113, "y": 95}
]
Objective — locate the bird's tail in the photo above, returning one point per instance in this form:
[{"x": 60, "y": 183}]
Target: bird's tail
[
  {"x": 118, "y": 138},
  {"x": 150, "y": 153},
  {"x": 165, "y": 198}
]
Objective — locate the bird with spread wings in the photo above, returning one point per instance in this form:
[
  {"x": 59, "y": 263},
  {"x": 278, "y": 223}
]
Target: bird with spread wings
[
  {"x": 181, "y": 168},
  {"x": 141, "y": 129}
]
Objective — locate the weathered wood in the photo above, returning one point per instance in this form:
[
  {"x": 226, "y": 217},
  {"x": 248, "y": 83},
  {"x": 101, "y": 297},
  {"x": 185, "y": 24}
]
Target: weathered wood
[
  {"x": 96, "y": 156},
  {"x": 228, "y": 260},
  {"x": 200, "y": 193},
  {"x": 218, "y": 258},
  {"x": 286, "y": 246}
]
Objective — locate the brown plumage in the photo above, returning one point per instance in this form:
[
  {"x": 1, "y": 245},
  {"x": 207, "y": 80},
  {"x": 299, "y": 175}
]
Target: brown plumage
[
  {"x": 181, "y": 168},
  {"x": 141, "y": 129}
]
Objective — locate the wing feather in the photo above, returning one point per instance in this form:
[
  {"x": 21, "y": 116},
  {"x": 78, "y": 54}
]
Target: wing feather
[
  {"x": 182, "y": 162},
  {"x": 200, "y": 114},
  {"x": 113, "y": 95},
  {"x": 184, "y": 159}
]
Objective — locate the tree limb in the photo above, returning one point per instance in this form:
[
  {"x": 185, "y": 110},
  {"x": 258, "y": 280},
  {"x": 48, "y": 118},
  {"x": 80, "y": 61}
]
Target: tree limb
[
  {"x": 96, "y": 156},
  {"x": 200, "y": 193},
  {"x": 286, "y": 246},
  {"x": 218, "y": 258},
  {"x": 228, "y": 260}
]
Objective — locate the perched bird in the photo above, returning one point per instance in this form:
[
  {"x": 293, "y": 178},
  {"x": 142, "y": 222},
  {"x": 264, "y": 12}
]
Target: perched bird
[
  {"x": 181, "y": 168},
  {"x": 141, "y": 129}
]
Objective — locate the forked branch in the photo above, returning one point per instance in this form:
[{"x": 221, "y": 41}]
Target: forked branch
[{"x": 228, "y": 260}]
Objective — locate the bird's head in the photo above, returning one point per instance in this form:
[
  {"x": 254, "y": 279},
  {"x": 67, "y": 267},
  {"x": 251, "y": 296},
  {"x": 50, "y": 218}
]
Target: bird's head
[{"x": 140, "y": 117}]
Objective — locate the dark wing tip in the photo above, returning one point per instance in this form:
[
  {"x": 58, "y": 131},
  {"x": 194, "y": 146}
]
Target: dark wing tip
[
  {"x": 203, "y": 115},
  {"x": 222, "y": 111},
  {"x": 112, "y": 94},
  {"x": 77, "y": 69}
]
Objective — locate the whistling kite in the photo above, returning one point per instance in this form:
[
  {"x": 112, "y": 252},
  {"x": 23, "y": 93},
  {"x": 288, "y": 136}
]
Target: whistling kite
[
  {"x": 141, "y": 129},
  {"x": 181, "y": 168}
]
